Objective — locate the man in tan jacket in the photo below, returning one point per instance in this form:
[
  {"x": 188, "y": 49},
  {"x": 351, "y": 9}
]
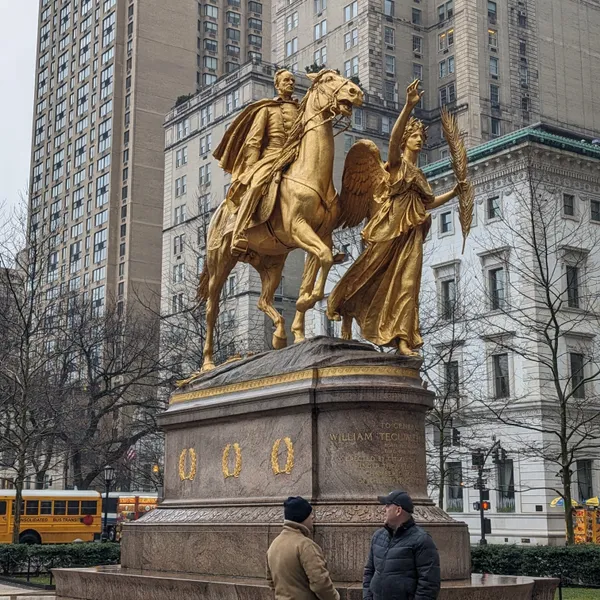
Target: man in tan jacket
[{"x": 296, "y": 568}]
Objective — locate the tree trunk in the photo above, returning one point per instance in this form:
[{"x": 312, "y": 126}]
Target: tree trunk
[
  {"x": 19, "y": 482},
  {"x": 442, "y": 467},
  {"x": 566, "y": 478}
]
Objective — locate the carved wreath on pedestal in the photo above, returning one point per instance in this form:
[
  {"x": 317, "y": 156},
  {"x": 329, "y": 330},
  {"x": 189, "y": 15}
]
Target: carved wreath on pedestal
[
  {"x": 191, "y": 474},
  {"x": 289, "y": 462},
  {"x": 237, "y": 469}
]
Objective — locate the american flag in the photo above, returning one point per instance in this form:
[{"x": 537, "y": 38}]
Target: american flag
[{"x": 131, "y": 454}]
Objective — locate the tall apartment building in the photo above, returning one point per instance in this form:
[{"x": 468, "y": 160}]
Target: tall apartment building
[
  {"x": 230, "y": 33},
  {"x": 107, "y": 72},
  {"x": 499, "y": 65}
]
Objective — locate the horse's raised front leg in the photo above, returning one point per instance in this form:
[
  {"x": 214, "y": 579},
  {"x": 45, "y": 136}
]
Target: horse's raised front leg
[
  {"x": 308, "y": 240},
  {"x": 270, "y": 268}
]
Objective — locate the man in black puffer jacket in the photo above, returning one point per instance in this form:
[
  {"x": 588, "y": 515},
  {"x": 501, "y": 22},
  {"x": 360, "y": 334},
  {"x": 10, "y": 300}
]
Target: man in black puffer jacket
[{"x": 403, "y": 562}]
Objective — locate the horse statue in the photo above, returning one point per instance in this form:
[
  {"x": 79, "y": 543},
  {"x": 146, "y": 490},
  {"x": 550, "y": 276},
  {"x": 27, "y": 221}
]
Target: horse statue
[{"x": 306, "y": 211}]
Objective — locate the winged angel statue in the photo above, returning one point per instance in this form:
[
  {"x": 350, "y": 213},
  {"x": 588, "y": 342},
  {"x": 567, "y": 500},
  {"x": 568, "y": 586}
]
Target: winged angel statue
[{"x": 381, "y": 288}]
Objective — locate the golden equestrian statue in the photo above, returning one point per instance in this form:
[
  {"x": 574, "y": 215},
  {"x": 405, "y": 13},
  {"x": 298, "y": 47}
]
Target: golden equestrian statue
[
  {"x": 381, "y": 288},
  {"x": 298, "y": 207}
]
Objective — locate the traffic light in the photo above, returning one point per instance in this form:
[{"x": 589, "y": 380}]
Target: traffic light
[
  {"x": 485, "y": 495},
  {"x": 477, "y": 459},
  {"x": 476, "y": 506},
  {"x": 486, "y": 505},
  {"x": 487, "y": 526}
]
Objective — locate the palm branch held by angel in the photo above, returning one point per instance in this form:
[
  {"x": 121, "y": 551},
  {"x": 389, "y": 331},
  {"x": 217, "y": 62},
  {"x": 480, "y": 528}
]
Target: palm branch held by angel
[{"x": 381, "y": 288}]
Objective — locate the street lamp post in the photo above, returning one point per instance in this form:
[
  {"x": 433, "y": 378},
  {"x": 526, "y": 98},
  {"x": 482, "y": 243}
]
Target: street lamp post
[{"x": 109, "y": 476}]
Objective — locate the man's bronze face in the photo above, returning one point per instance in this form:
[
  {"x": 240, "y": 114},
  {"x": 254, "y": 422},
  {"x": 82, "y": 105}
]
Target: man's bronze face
[{"x": 286, "y": 84}]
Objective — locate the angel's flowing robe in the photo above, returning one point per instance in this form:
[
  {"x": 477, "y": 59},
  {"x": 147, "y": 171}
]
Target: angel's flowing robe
[{"x": 381, "y": 289}]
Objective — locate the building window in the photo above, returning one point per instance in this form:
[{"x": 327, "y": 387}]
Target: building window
[
  {"x": 210, "y": 28},
  {"x": 178, "y": 242},
  {"x": 493, "y": 208},
  {"x": 492, "y": 38},
  {"x": 522, "y": 47},
  {"x": 494, "y": 94},
  {"x": 320, "y": 57},
  {"x": 455, "y": 488},
  {"x": 577, "y": 374},
  {"x": 569, "y": 205},
  {"x": 495, "y": 127},
  {"x": 181, "y": 157},
  {"x": 524, "y": 75},
  {"x": 320, "y": 30},
  {"x": 506, "y": 487},
  {"x": 448, "y": 299},
  {"x": 448, "y": 94},
  {"x": 417, "y": 16},
  {"x": 522, "y": 18},
  {"x": 446, "y": 222},
  {"x": 572, "y": 286},
  {"x": 585, "y": 486},
  {"x": 179, "y": 214},
  {"x": 204, "y": 174},
  {"x": 291, "y": 21},
  {"x": 497, "y": 288},
  {"x": 595, "y": 210},
  {"x": 501, "y": 383},
  {"x": 390, "y": 64},
  {"x": 320, "y": 5},
  {"x": 451, "y": 379},
  {"x": 492, "y": 12},
  {"x": 417, "y": 44},
  {"x": 417, "y": 71},
  {"x": 351, "y": 39},
  {"x": 351, "y": 11},
  {"x": 494, "y": 70},
  {"x": 255, "y": 24},
  {"x": 351, "y": 67},
  {"x": 180, "y": 186},
  {"x": 183, "y": 129},
  {"x": 291, "y": 47}
]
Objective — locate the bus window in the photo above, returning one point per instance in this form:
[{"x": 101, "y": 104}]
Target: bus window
[
  {"x": 46, "y": 507},
  {"x": 22, "y": 507},
  {"x": 73, "y": 507},
  {"x": 2, "y": 507},
  {"x": 110, "y": 505},
  {"x": 89, "y": 507},
  {"x": 60, "y": 507},
  {"x": 33, "y": 507}
]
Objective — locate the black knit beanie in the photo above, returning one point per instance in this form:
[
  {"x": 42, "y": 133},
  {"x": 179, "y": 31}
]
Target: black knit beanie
[{"x": 296, "y": 509}]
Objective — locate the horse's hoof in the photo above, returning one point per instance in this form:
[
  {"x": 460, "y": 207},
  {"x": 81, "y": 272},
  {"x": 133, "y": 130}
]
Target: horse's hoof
[
  {"x": 279, "y": 342},
  {"x": 208, "y": 365}
]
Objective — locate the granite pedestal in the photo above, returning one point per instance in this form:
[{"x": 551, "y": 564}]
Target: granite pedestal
[{"x": 330, "y": 420}]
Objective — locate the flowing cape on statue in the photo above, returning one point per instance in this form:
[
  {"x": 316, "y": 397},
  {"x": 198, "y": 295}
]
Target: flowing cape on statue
[{"x": 230, "y": 152}]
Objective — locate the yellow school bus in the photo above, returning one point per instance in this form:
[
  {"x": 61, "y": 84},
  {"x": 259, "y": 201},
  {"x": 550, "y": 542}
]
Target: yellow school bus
[{"x": 52, "y": 516}]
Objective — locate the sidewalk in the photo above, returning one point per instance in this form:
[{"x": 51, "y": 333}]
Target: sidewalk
[{"x": 11, "y": 592}]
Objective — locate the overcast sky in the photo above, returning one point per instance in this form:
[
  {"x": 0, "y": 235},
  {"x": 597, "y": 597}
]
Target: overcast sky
[{"x": 18, "y": 33}]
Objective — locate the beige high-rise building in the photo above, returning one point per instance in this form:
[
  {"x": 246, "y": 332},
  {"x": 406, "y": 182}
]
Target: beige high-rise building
[
  {"x": 107, "y": 72},
  {"x": 499, "y": 65}
]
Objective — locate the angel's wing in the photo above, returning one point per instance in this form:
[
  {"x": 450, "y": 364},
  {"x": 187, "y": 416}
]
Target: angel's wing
[{"x": 364, "y": 179}]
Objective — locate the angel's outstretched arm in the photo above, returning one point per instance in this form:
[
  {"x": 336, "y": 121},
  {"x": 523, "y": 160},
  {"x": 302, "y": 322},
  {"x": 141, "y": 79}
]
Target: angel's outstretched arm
[{"x": 413, "y": 95}]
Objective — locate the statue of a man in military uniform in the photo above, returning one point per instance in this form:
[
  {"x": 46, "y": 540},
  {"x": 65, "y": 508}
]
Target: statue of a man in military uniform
[{"x": 250, "y": 151}]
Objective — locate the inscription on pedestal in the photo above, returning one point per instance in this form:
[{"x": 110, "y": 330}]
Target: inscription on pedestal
[{"x": 386, "y": 453}]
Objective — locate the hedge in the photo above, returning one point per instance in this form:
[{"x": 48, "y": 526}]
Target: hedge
[
  {"x": 17, "y": 558},
  {"x": 576, "y": 565}
]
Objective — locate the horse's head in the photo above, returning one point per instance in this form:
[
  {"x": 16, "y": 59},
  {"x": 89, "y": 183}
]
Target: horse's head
[{"x": 340, "y": 92}]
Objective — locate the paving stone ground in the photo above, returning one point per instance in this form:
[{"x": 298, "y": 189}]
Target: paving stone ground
[{"x": 12, "y": 592}]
